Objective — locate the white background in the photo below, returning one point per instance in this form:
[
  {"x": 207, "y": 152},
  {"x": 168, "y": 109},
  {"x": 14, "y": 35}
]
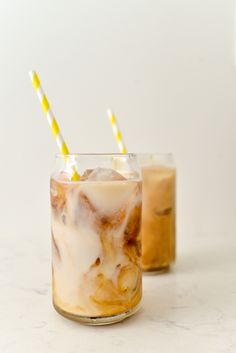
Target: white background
[{"x": 167, "y": 69}]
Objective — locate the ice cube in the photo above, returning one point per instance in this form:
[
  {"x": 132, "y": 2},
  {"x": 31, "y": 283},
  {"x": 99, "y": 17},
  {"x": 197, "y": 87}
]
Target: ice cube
[
  {"x": 86, "y": 174},
  {"x": 58, "y": 195},
  {"x": 133, "y": 225},
  {"x": 64, "y": 176},
  {"x": 128, "y": 278},
  {"x": 104, "y": 174}
]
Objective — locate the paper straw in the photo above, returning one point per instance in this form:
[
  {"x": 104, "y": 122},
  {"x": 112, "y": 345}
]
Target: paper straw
[
  {"x": 51, "y": 120},
  {"x": 116, "y": 131}
]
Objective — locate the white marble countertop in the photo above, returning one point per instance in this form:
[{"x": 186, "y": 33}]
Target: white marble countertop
[{"x": 192, "y": 309}]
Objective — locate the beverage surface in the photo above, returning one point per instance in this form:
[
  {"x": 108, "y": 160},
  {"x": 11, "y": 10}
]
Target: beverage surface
[
  {"x": 96, "y": 243},
  {"x": 158, "y": 217}
]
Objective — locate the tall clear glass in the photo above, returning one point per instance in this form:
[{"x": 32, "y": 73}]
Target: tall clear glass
[
  {"x": 158, "y": 231},
  {"x": 96, "y": 245}
]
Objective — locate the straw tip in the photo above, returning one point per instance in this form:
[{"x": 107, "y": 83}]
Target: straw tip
[
  {"x": 109, "y": 112},
  {"x": 31, "y": 74}
]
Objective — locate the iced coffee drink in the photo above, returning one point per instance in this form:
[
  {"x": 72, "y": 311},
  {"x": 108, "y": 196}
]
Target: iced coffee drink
[
  {"x": 96, "y": 240},
  {"x": 158, "y": 212}
]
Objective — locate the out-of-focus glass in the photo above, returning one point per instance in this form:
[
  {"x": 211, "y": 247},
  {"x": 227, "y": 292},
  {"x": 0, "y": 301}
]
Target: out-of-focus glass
[{"x": 158, "y": 230}]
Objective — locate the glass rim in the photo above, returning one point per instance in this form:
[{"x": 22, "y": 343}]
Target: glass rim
[
  {"x": 164, "y": 154},
  {"x": 115, "y": 154},
  {"x": 97, "y": 154}
]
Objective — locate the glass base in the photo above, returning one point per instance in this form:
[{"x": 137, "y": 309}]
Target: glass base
[
  {"x": 100, "y": 320},
  {"x": 156, "y": 270}
]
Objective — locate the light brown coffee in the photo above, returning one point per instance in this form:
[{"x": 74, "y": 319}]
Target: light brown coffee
[{"x": 158, "y": 218}]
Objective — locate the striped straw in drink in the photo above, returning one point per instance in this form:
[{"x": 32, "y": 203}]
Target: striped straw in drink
[
  {"x": 52, "y": 120},
  {"x": 116, "y": 131}
]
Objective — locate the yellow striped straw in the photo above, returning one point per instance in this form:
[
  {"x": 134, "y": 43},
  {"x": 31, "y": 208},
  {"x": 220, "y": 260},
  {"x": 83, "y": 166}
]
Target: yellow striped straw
[
  {"x": 51, "y": 120},
  {"x": 116, "y": 131}
]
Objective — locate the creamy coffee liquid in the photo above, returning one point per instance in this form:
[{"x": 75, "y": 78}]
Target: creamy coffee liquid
[{"x": 96, "y": 244}]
